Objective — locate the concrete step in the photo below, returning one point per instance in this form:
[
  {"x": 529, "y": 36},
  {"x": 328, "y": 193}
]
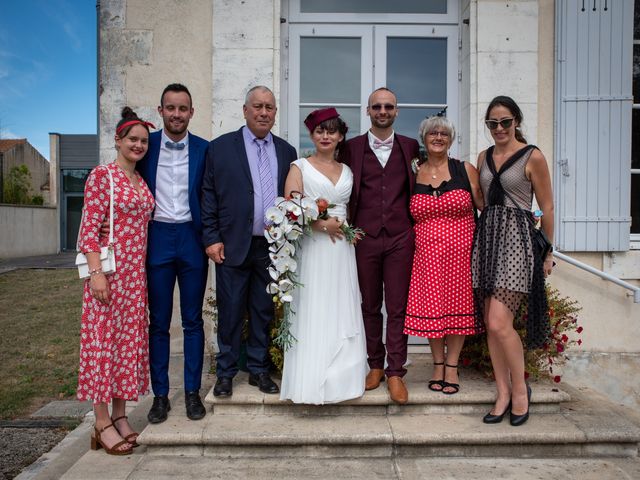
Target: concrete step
[
  {"x": 567, "y": 433},
  {"x": 476, "y": 396},
  {"x": 98, "y": 466}
]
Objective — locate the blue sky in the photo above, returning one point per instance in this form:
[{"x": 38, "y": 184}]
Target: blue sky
[{"x": 47, "y": 69}]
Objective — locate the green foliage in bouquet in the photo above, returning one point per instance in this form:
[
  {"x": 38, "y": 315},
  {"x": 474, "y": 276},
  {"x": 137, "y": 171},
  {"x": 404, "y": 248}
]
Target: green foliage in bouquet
[
  {"x": 542, "y": 362},
  {"x": 275, "y": 351}
]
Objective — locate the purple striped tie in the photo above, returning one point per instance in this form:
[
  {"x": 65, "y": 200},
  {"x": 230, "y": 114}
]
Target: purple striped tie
[{"x": 266, "y": 179}]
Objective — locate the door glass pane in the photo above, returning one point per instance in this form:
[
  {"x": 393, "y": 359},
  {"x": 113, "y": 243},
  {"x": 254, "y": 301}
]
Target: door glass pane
[
  {"x": 329, "y": 70},
  {"x": 636, "y": 73},
  {"x": 409, "y": 119},
  {"x": 635, "y": 203},
  {"x": 635, "y": 138},
  {"x": 417, "y": 69},
  {"x": 351, "y": 116},
  {"x": 73, "y": 213},
  {"x": 73, "y": 180},
  {"x": 373, "y": 6}
]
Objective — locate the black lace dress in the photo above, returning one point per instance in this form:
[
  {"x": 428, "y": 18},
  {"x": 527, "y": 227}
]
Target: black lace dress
[{"x": 503, "y": 263}]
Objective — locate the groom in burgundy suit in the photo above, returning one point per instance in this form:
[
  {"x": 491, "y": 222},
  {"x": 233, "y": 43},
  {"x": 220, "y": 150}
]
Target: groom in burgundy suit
[{"x": 382, "y": 186}]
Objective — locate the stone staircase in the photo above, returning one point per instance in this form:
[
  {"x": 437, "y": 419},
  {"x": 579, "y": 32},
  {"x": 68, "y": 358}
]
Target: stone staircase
[{"x": 565, "y": 423}]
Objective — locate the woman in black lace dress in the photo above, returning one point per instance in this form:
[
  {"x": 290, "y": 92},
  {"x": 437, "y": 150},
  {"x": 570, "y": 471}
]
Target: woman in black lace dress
[{"x": 505, "y": 269}]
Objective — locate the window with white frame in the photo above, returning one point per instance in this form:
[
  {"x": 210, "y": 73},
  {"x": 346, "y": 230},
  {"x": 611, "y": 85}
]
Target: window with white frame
[{"x": 338, "y": 52}]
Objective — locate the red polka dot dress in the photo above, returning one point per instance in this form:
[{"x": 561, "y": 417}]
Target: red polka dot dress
[
  {"x": 114, "y": 342},
  {"x": 440, "y": 293}
]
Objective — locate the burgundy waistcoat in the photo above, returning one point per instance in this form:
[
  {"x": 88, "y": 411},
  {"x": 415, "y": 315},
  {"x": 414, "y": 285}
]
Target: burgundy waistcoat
[{"x": 384, "y": 194}]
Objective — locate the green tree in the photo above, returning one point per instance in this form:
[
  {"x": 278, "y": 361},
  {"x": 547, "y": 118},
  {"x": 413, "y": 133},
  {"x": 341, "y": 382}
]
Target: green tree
[{"x": 17, "y": 186}]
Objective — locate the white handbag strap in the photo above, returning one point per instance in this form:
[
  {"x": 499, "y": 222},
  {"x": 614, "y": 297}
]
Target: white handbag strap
[
  {"x": 110, "y": 213},
  {"x": 110, "y": 207}
]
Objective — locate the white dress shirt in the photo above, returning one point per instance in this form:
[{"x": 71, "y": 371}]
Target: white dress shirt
[
  {"x": 383, "y": 152},
  {"x": 172, "y": 183}
]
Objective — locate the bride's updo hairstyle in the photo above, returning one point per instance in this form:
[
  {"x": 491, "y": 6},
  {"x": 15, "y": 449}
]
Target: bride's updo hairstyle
[{"x": 327, "y": 119}]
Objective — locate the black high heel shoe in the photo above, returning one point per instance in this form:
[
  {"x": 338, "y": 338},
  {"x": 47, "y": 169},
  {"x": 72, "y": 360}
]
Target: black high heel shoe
[
  {"x": 491, "y": 418},
  {"x": 437, "y": 383},
  {"x": 517, "y": 420}
]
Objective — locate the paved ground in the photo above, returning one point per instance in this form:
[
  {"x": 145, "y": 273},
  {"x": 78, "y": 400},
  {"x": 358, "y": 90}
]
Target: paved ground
[{"x": 61, "y": 260}]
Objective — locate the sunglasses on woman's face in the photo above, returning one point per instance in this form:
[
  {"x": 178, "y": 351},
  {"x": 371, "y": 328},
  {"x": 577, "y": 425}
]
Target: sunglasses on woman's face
[{"x": 493, "y": 124}]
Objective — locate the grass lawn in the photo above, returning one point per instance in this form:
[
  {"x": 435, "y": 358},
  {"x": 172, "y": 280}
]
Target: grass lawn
[{"x": 40, "y": 325}]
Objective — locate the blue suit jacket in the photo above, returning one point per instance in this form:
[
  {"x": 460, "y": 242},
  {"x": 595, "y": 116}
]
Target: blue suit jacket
[
  {"x": 227, "y": 193},
  {"x": 148, "y": 168}
]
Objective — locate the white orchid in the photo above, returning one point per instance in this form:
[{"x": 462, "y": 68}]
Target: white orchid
[
  {"x": 289, "y": 219},
  {"x": 274, "y": 215},
  {"x": 285, "y": 264}
]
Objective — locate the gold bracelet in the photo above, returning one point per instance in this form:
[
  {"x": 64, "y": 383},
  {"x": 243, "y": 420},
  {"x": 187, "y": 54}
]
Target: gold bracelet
[{"x": 95, "y": 271}]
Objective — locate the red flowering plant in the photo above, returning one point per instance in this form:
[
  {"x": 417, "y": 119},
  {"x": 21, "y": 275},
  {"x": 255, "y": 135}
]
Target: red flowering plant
[
  {"x": 540, "y": 362},
  {"x": 351, "y": 234}
]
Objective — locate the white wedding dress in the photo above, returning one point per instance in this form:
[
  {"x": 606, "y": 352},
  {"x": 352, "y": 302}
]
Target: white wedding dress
[{"x": 328, "y": 361}]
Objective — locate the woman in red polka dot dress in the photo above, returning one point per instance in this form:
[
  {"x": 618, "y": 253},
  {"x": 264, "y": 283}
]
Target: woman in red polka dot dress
[
  {"x": 440, "y": 305},
  {"x": 114, "y": 343}
]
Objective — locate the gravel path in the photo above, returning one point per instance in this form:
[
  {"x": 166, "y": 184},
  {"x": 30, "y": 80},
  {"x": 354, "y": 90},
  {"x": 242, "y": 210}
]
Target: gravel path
[{"x": 20, "y": 447}]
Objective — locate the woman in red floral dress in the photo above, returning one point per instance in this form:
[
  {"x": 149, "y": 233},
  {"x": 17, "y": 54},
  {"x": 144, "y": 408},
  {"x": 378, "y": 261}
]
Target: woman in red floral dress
[
  {"x": 114, "y": 347},
  {"x": 440, "y": 305}
]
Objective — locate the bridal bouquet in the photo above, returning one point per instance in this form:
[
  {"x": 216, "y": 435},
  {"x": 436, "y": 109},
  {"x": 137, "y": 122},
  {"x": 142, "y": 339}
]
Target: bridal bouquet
[
  {"x": 289, "y": 219},
  {"x": 351, "y": 234}
]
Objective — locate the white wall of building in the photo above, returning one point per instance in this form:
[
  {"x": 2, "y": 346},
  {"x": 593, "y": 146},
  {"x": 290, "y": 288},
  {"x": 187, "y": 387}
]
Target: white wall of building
[
  {"x": 28, "y": 230},
  {"x": 221, "y": 47}
]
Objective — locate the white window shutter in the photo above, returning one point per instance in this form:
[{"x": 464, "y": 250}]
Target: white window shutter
[{"x": 592, "y": 177}]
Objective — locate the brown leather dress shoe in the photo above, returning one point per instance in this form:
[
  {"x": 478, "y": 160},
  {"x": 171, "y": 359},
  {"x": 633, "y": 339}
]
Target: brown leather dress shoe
[
  {"x": 374, "y": 377},
  {"x": 397, "y": 390}
]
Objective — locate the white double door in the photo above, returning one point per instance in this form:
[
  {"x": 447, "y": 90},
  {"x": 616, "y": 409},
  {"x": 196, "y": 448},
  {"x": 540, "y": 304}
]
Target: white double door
[{"x": 340, "y": 65}]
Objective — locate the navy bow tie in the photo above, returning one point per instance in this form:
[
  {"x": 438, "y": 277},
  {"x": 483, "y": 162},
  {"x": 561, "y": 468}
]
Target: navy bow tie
[{"x": 174, "y": 145}]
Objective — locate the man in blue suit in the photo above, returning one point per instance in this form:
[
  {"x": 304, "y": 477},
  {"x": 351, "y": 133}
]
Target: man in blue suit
[
  {"x": 245, "y": 171},
  {"x": 173, "y": 169}
]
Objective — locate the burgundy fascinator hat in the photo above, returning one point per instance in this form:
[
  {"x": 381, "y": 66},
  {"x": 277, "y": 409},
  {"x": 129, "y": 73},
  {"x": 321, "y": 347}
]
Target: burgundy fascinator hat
[{"x": 316, "y": 117}]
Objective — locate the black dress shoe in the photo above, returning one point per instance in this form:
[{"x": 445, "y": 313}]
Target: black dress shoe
[
  {"x": 263, "y": 382},
  {"x": 159, "y": 409},
  {"x": 517, "y": 420},
  {"x": 491, "y": 418},
  {"x": 195, "y": 408},
  {"x": 223, "y": 387}
]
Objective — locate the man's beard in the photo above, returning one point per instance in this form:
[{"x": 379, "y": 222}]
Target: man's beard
[
  {"x": 171, "y": 129},
  {"x": 388, "y": 122}
]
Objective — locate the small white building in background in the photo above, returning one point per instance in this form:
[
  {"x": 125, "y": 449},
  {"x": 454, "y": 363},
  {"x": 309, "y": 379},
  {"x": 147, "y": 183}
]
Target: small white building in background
[{"x": 572, "y": 65}]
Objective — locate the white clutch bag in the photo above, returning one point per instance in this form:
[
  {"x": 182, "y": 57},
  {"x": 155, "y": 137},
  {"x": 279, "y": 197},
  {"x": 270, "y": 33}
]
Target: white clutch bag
[
  {"x": 107, "y": 262},
  {"x": 107, "y": 254}
]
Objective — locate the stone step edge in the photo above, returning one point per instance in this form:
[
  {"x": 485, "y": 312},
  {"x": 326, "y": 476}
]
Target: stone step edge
[
  {"x": 321, "y": 438},
  {"x": 379, "y": 399}
]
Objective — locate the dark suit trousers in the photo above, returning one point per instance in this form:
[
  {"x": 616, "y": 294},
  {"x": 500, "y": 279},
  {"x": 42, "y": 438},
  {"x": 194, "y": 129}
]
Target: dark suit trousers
[
  {"x": 175, "y": 252},
  {"x": 385, "y": 263},
  {"x": 239, "y": 290}
]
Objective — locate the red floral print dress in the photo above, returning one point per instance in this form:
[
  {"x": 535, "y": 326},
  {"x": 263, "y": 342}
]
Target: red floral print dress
[
  {"x": 440, "y": 293},
  {"x": 114, "y": 341}
]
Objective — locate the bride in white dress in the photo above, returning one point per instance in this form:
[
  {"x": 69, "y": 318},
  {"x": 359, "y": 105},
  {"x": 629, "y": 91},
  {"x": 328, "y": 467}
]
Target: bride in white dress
[{"x": 328, "y": 361}]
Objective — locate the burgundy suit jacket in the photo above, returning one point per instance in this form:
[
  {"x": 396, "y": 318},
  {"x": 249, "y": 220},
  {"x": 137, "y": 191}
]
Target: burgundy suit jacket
[{"x": 353, "y": 156}]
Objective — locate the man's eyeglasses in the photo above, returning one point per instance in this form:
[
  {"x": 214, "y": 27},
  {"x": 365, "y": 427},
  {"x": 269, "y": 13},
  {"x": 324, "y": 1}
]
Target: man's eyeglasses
[
  {"x": 378, "y": 106},
  {"x": 493, "y": 124}
]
